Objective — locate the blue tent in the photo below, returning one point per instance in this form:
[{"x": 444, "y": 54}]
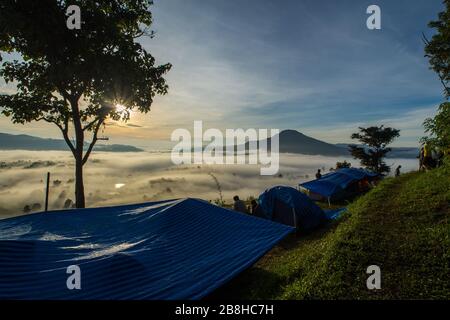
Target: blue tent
[
  {"x": 337, "y": 184},
  {"x": 177, "y": 249},
  {"x": 288, "y": 206}
]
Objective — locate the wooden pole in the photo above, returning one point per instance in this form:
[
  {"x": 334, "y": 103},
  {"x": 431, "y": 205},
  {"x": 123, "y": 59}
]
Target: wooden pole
[{"x": 47, "y": 191}]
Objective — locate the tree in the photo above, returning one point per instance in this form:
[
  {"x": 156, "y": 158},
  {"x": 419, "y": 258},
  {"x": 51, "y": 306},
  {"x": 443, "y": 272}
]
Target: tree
[
  {"x": 344, "y": 164},
  {"x": 341, "y": 165},
  {"x": 77, "y": 79},
  {"x": 439, "y": 128},
  {"x": 438, "y": 48},
  {"x": 374, "y": 148},
  {"x": 438, "y": 52}
]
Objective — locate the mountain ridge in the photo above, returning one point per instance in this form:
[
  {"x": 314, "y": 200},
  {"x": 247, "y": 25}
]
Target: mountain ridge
[
  {"x": 33, "y": 143},
  {"x": 293, "y": 141},
  {"x": 290, "y": 141}
]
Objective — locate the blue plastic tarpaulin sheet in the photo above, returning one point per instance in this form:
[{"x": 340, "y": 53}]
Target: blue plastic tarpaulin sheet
[
  {"x": 178, "y": 249},
  {"x": 334, "y": 182},
  {"x": 334, "y": 214}
]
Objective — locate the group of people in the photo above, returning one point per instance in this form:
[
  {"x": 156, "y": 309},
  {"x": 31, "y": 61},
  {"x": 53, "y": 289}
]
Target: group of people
[
  {"x": 429, "y": 157},
  {"x": 239, "y": 205}
]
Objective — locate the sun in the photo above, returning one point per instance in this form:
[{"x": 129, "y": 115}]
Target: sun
[
  {"x": 123, "y": 110},
  {"x": 120, "y": 108}
]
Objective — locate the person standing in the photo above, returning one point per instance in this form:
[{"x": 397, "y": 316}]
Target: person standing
[
  {"x": 318, "y": 174},
  {"x": 239, "y": 205},
  {"x": 253, "y": 204},
  {"x": 397, "y": 171},
  {"x": 427, "y": 160},
  {"x": 421, "y": 159},
  {"x": 256, "y": 209}
]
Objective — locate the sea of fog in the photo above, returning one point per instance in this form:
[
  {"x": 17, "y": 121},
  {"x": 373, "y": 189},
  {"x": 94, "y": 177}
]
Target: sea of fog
[{"x": 122, "y": 178}]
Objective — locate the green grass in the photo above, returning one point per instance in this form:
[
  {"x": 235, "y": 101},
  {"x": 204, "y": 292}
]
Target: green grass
[{"x": 401, "y": 226}]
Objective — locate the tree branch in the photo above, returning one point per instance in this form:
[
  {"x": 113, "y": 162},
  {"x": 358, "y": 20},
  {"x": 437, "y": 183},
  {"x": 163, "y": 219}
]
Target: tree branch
[
  {"x": 89, "y": 125},
  {"x": 65, "y": 132},
  {"x": 64, "y": 129},
  {"x": 94, "y": 140}
]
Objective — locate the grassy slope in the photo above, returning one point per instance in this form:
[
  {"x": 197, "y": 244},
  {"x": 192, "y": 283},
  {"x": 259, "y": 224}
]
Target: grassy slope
[{"x": 401, "y": 226}]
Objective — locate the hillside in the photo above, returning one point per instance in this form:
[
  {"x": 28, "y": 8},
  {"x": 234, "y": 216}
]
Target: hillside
[
  {"x": 26, "y": 142},
  {"x": 401, "y": 225}
]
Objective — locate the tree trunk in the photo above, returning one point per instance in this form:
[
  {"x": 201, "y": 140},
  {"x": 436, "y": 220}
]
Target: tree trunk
[
  {"x": 78, "y": 154},
  {"x": 79, "y": 185}
]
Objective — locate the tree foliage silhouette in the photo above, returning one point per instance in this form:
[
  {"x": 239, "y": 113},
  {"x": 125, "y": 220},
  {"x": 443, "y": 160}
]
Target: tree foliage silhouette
[
  {"x": 374, "y": 147},
  {"x": 438, "y": 52},
  {"x": 438, "y": 48}
]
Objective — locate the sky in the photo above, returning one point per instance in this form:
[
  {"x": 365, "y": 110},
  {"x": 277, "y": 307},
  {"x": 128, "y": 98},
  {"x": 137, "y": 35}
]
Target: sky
[{"x": 309, "y": 65}]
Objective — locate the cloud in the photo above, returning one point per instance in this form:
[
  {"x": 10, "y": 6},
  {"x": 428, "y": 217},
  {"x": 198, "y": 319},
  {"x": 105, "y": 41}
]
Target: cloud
[
  {"x": 143, "y": 177},
  {"x": 410, "y": 124}
]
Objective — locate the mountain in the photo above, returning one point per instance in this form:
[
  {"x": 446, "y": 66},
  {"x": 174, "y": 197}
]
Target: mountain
[
  {"x": 292, "y": 141},
  {"x": 26, "y": 142},
  {"x": 296, "y": 142}
]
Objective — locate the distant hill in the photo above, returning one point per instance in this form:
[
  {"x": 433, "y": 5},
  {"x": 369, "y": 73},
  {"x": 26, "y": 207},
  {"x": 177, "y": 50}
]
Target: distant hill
[
  {"x": 26, "y": 142},
  {"x": 292, "y": 141},
  {"x": 296, "y": 142},
  {"x": 396, "y": 152}
]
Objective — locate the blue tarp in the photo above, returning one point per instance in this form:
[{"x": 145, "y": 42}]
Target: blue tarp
[
  {"x": 334, "y": 182},
  {"x": 334, "y": 214},
  {"x": 178, "y": 249},
  {"x": 279, "y": 203}
]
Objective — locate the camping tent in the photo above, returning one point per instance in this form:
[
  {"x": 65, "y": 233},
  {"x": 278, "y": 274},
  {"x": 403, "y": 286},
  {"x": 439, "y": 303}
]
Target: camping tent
[
  {"x": 337, "y": 184},
  {"x": 178, "y": 249},
  {"x": 288, "y": 206}
]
